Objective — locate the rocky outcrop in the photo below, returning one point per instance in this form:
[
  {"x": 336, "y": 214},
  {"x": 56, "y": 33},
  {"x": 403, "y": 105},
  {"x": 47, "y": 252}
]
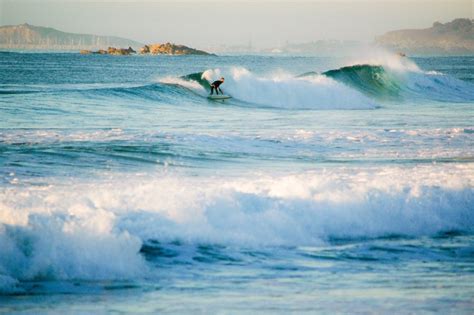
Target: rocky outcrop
[
  {"x": 171, "y": 49},
  {"x": 120, "y": 51},
  {"x": 27, "y": 36},
  {"x": 452, "y": 38},
  {"x": 156, "y": 49},
  {"x": 109, "y": 51},
  {"x": 145, "y": 49}
]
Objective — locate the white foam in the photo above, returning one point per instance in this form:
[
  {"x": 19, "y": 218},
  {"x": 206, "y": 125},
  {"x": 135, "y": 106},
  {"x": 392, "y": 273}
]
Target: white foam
[
  {"x": 285, "y": 91},
  {"x": 94, "y": 229},
  {"x": 50, "y": 235},
  {"x": 33, "y": 136}
]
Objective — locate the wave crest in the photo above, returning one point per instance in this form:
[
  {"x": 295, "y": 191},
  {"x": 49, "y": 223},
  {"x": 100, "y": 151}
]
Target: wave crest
[
  {"x": 284, "y": 91},
  {"x": 384, "y": 82}
]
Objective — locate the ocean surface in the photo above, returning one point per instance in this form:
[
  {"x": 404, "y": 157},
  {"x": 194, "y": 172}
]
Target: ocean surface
[{"x": 325, "y": 185}]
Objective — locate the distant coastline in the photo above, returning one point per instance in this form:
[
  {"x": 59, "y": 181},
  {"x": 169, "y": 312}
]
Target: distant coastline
[
  {"x": 29, "y": 37},
  {"x": 451, "y": 38}
]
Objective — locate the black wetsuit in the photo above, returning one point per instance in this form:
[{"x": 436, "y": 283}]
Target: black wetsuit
[{"x": 215, "y": 86}]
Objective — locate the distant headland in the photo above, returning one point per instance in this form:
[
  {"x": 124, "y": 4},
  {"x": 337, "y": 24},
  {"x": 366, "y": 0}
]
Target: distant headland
[
  {"x": 26, "y": 36},
  {"x": 452, "y": 38}
]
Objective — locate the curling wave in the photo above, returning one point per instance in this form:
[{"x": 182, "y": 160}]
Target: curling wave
[
  {"x": 358, "y": 86},
  {"x": 287, "y": 92},
  {"x": 402, "y": 83}
]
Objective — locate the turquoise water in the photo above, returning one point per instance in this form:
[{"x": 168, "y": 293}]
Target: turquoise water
[{"x": 325, "y": 185}]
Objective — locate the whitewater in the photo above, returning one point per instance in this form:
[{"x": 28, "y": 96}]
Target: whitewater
[{"x": 324, "y": 185}]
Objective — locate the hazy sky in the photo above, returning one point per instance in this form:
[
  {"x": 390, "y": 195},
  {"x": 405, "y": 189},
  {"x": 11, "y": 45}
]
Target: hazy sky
[{"x": 205, "y": 24}]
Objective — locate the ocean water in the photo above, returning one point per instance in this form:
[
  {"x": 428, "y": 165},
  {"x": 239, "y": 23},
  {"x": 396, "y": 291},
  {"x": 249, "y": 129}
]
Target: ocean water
[{"x": 325, "y": 185}]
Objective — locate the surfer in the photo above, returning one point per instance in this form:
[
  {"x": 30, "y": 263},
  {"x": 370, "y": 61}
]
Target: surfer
[{"x": 215, "y": 86}]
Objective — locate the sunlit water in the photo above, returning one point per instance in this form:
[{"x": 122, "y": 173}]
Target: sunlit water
[{"x": 124, "y": 189}]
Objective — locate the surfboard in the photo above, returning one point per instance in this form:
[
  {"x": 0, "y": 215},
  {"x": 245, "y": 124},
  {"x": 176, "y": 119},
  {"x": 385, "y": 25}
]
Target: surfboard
[{"x": 219, "y": 97}]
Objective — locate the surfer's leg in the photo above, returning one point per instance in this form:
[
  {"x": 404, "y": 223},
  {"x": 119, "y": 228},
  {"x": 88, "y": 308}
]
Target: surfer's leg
[{"x": 212, "y": 89}]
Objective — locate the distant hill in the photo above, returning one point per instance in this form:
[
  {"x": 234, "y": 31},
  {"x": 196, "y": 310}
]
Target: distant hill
[
  {"x": 27, "y": 36},
  {"x": 452, "y": 38}
]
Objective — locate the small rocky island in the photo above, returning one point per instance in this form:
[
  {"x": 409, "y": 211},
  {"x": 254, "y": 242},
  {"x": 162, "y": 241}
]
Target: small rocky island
[
  {"x": 153, "y": 49},
  {"x": 110, "y": 51},
  {"x": 170, "y": 49}
]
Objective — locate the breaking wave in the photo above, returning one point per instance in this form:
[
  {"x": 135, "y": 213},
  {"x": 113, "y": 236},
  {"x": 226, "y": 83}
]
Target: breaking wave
[
  {"x": 96, "y": 230},
  {"x": 284, "y": 91},
  {"x": 359, "y": 86},
  {"x": 385, "y": 82},
  {"x": 279, "y": 91}
]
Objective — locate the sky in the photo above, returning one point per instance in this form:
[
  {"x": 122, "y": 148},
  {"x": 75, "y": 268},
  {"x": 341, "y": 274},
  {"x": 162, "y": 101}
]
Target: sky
[{"x": 204, "y": 24}]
